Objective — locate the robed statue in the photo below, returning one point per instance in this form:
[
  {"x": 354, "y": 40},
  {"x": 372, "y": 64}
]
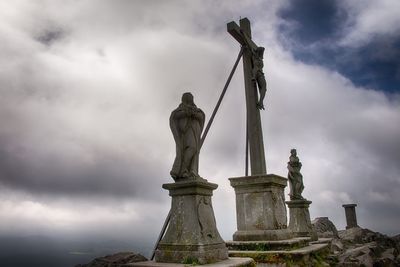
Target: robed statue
[
  {"x": 186, "y": 122},
  {"x": 295, "y": 177}
]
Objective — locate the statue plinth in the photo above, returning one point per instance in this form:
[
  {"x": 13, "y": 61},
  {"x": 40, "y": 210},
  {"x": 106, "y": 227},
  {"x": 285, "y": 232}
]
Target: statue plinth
[
  {"x": 192, "y": 235},
  {"x": 260, "y": 208},
  {"x": 300, "y": 222}
]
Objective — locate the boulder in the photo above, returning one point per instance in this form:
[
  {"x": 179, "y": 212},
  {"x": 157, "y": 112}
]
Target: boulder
[
  {"x": 336, "y": 246},
  {"x": 115, "y": 260},
  {"x": 324, "y": 227},
  {"x": 358, "y": 256}
]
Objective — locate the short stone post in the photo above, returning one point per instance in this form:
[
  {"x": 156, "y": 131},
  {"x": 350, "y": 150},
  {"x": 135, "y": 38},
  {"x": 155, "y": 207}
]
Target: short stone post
[{"x": 351, "y": 218}]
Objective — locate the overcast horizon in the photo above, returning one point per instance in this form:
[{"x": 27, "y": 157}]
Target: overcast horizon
[{"x": 87, "y": 87}]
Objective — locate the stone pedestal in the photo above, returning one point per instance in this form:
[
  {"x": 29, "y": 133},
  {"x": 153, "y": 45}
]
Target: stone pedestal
[
  {"x": 260, "y": 208},
  {"x": 192, "y": 235},
  {"x": 300, "y": 222},
  {"x": 351, "y": 218}
]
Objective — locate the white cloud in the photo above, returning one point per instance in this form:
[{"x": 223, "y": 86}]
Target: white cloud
[{"x": 370, "y": 19}]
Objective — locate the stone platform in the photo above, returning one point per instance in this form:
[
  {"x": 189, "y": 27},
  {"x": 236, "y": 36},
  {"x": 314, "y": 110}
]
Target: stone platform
[{"x": 230, "y": 262}]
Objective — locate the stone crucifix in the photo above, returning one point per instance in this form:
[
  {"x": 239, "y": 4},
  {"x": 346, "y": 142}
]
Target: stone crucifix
[{"x": 253, "y": 76}]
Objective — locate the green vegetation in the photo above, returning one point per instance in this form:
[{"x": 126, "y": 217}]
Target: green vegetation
[{"x": 191, "y": 261}]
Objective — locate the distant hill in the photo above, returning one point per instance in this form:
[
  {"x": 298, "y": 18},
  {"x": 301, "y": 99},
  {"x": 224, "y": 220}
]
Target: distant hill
[{"x": 45, "y": 251}]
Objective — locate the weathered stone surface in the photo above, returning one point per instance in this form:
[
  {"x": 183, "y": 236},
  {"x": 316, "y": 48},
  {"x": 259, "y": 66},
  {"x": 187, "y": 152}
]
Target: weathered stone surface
[
  {"x": 115, "y": 260},
  {"x": 358, "y": 255},
  {"x": 324, "y": 227},
  {"x": 360, "y": 235},
  {"x": 300, "y": 222},
  {"x": 336, "y": 246},
  {"x": 192, "y": 234},
  {"x": 260, "y": 208}
]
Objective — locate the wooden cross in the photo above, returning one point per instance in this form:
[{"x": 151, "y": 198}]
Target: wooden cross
[{"x": 255, "y": 141}]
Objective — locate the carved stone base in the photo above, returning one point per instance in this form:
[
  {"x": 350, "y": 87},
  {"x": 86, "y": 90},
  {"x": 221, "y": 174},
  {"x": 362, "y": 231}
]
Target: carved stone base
[
  {"x": 260, "y": 208},
  {"x": 192, "y": 235},
  {"x": 300, "y": 223}
]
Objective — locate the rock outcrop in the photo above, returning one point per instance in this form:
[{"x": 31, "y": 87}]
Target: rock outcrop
[
  {"x": 324, "y": 227},
  {"x": 368, "y": 248},
  {"x": 359, "y": 247},
  {"x": 115, "y": 260}
]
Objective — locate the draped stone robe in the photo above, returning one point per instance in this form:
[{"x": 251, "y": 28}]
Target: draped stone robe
[{"x": 186, "y": 122}]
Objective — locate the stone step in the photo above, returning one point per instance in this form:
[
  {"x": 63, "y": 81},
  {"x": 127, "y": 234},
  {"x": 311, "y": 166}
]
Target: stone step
[
  {"x": 289, "y": 244},
  {"x": 230, "y": 262},
  {"x": 306, "y": 255},
  {"x": 322, "y": 240}
]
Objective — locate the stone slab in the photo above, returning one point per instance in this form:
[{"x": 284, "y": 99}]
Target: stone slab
[
  {"x": 322, "y": 240},
  {"x": 259, "y": 182},
  {"x": 302, "y": 256},
  {"x": 190, "y": 187},
  {"x": 230, "y": 262},
  {"x": 288, "y": 244}
]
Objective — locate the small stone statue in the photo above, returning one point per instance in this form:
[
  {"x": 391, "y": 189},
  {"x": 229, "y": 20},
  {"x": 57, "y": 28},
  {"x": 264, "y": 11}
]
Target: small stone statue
[
  {"x": 258, "y": 74},
  {"x": 186, "y": 122},
  {"x": 295, "y": 178}
]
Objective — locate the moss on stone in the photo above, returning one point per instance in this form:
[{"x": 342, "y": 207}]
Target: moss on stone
[{"x": 191, "y": 261}]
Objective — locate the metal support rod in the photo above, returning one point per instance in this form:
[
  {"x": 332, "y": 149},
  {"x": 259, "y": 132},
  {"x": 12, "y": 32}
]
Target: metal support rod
[
  {"x": 164, "y": 228},
  {"x": 246, "y": 172},
  {"x": 210, "y": 121},
  {"x": 160, "y": 236}
]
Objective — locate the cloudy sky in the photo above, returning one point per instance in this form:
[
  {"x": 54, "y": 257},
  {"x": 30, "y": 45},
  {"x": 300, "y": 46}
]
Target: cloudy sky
[{"x": 87, "y": 87}]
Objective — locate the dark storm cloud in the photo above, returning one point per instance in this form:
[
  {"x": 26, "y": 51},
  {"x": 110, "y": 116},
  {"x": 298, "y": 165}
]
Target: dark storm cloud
[
  {"x": 312, "y": 30},
  {"x": 309, "y": 21},
  {"x": 57, "y": 175},
  {"x": 51, "y": 35}
]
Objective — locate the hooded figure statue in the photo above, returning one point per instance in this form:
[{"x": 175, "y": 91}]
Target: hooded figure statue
[{"x": 186, "y": 123}]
